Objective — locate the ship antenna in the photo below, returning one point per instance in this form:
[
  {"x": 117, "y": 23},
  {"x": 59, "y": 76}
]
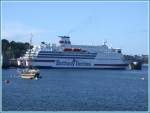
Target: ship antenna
[
  {"x": 31, "y": 35},
  {"x": 105, "y": 42}
]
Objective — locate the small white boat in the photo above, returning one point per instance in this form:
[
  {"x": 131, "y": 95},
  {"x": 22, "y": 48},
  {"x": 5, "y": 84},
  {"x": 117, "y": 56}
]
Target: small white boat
[{"x": 30, "y": 74}]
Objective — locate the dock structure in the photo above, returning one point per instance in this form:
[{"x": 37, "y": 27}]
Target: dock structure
[{"x": 135, "y": 66}]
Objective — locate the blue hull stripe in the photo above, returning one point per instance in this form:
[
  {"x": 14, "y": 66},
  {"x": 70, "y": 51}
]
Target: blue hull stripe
[
  {"x": 49, "y": 67},
  {"x": 110, "y": 64}
]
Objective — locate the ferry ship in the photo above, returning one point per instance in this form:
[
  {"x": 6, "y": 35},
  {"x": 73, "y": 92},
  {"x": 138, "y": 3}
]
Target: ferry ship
[{"x": 66, "y": 55}]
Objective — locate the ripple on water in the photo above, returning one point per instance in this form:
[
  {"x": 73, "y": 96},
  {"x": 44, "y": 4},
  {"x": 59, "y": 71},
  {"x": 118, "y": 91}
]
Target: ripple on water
[{"x": 77, "y": 90}]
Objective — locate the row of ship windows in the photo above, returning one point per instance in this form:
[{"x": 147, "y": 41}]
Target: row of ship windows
[
  {"x": 44, "y": 60},
  {"x": 63, "y": 52},
  {"x": 36, "y": 60},
  {"x": 66, "y": 55}
]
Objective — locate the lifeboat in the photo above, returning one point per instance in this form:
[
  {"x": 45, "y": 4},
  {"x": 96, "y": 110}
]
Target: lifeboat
[
  {"x": 76, "y": 49},
  {"x": 68, "y": 49}
]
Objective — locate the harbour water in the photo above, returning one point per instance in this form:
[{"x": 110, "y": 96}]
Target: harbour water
[{"x": 76, "y": 90}]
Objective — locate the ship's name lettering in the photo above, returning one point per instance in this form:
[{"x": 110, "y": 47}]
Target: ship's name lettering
[{"x": 72, "y": 63}]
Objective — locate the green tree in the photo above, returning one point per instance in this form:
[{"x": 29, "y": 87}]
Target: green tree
[{"x": 13, "y": 50}]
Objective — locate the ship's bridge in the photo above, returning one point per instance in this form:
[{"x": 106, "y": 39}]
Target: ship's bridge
[{"x": 64, "y": 41}]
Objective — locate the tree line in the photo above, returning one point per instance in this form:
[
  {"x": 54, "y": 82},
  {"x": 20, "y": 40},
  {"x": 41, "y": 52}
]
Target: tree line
[
  {"x": 12, "y": 50},
  {"x": 136, "y": 58}
]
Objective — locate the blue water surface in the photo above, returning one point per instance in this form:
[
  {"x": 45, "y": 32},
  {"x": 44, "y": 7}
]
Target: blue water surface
[{"x": 76, "y": 90}]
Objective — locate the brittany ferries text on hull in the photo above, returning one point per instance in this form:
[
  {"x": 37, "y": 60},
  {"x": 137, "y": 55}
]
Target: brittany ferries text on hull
[{"x": 66, "y": 55}]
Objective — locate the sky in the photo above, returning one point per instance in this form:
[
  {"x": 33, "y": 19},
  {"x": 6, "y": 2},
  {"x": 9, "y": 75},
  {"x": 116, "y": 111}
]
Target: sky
[{"x": 122, "y": 24}]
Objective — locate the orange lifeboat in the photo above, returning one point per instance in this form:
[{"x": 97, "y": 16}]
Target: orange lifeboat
[
  {"x": 76, "y": 49},
  {"x": 68, "y": 49}
]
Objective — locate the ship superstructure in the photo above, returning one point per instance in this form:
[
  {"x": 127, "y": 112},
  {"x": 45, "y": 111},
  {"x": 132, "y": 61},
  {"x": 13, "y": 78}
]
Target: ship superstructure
[{"x": 66, "y": 55}]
